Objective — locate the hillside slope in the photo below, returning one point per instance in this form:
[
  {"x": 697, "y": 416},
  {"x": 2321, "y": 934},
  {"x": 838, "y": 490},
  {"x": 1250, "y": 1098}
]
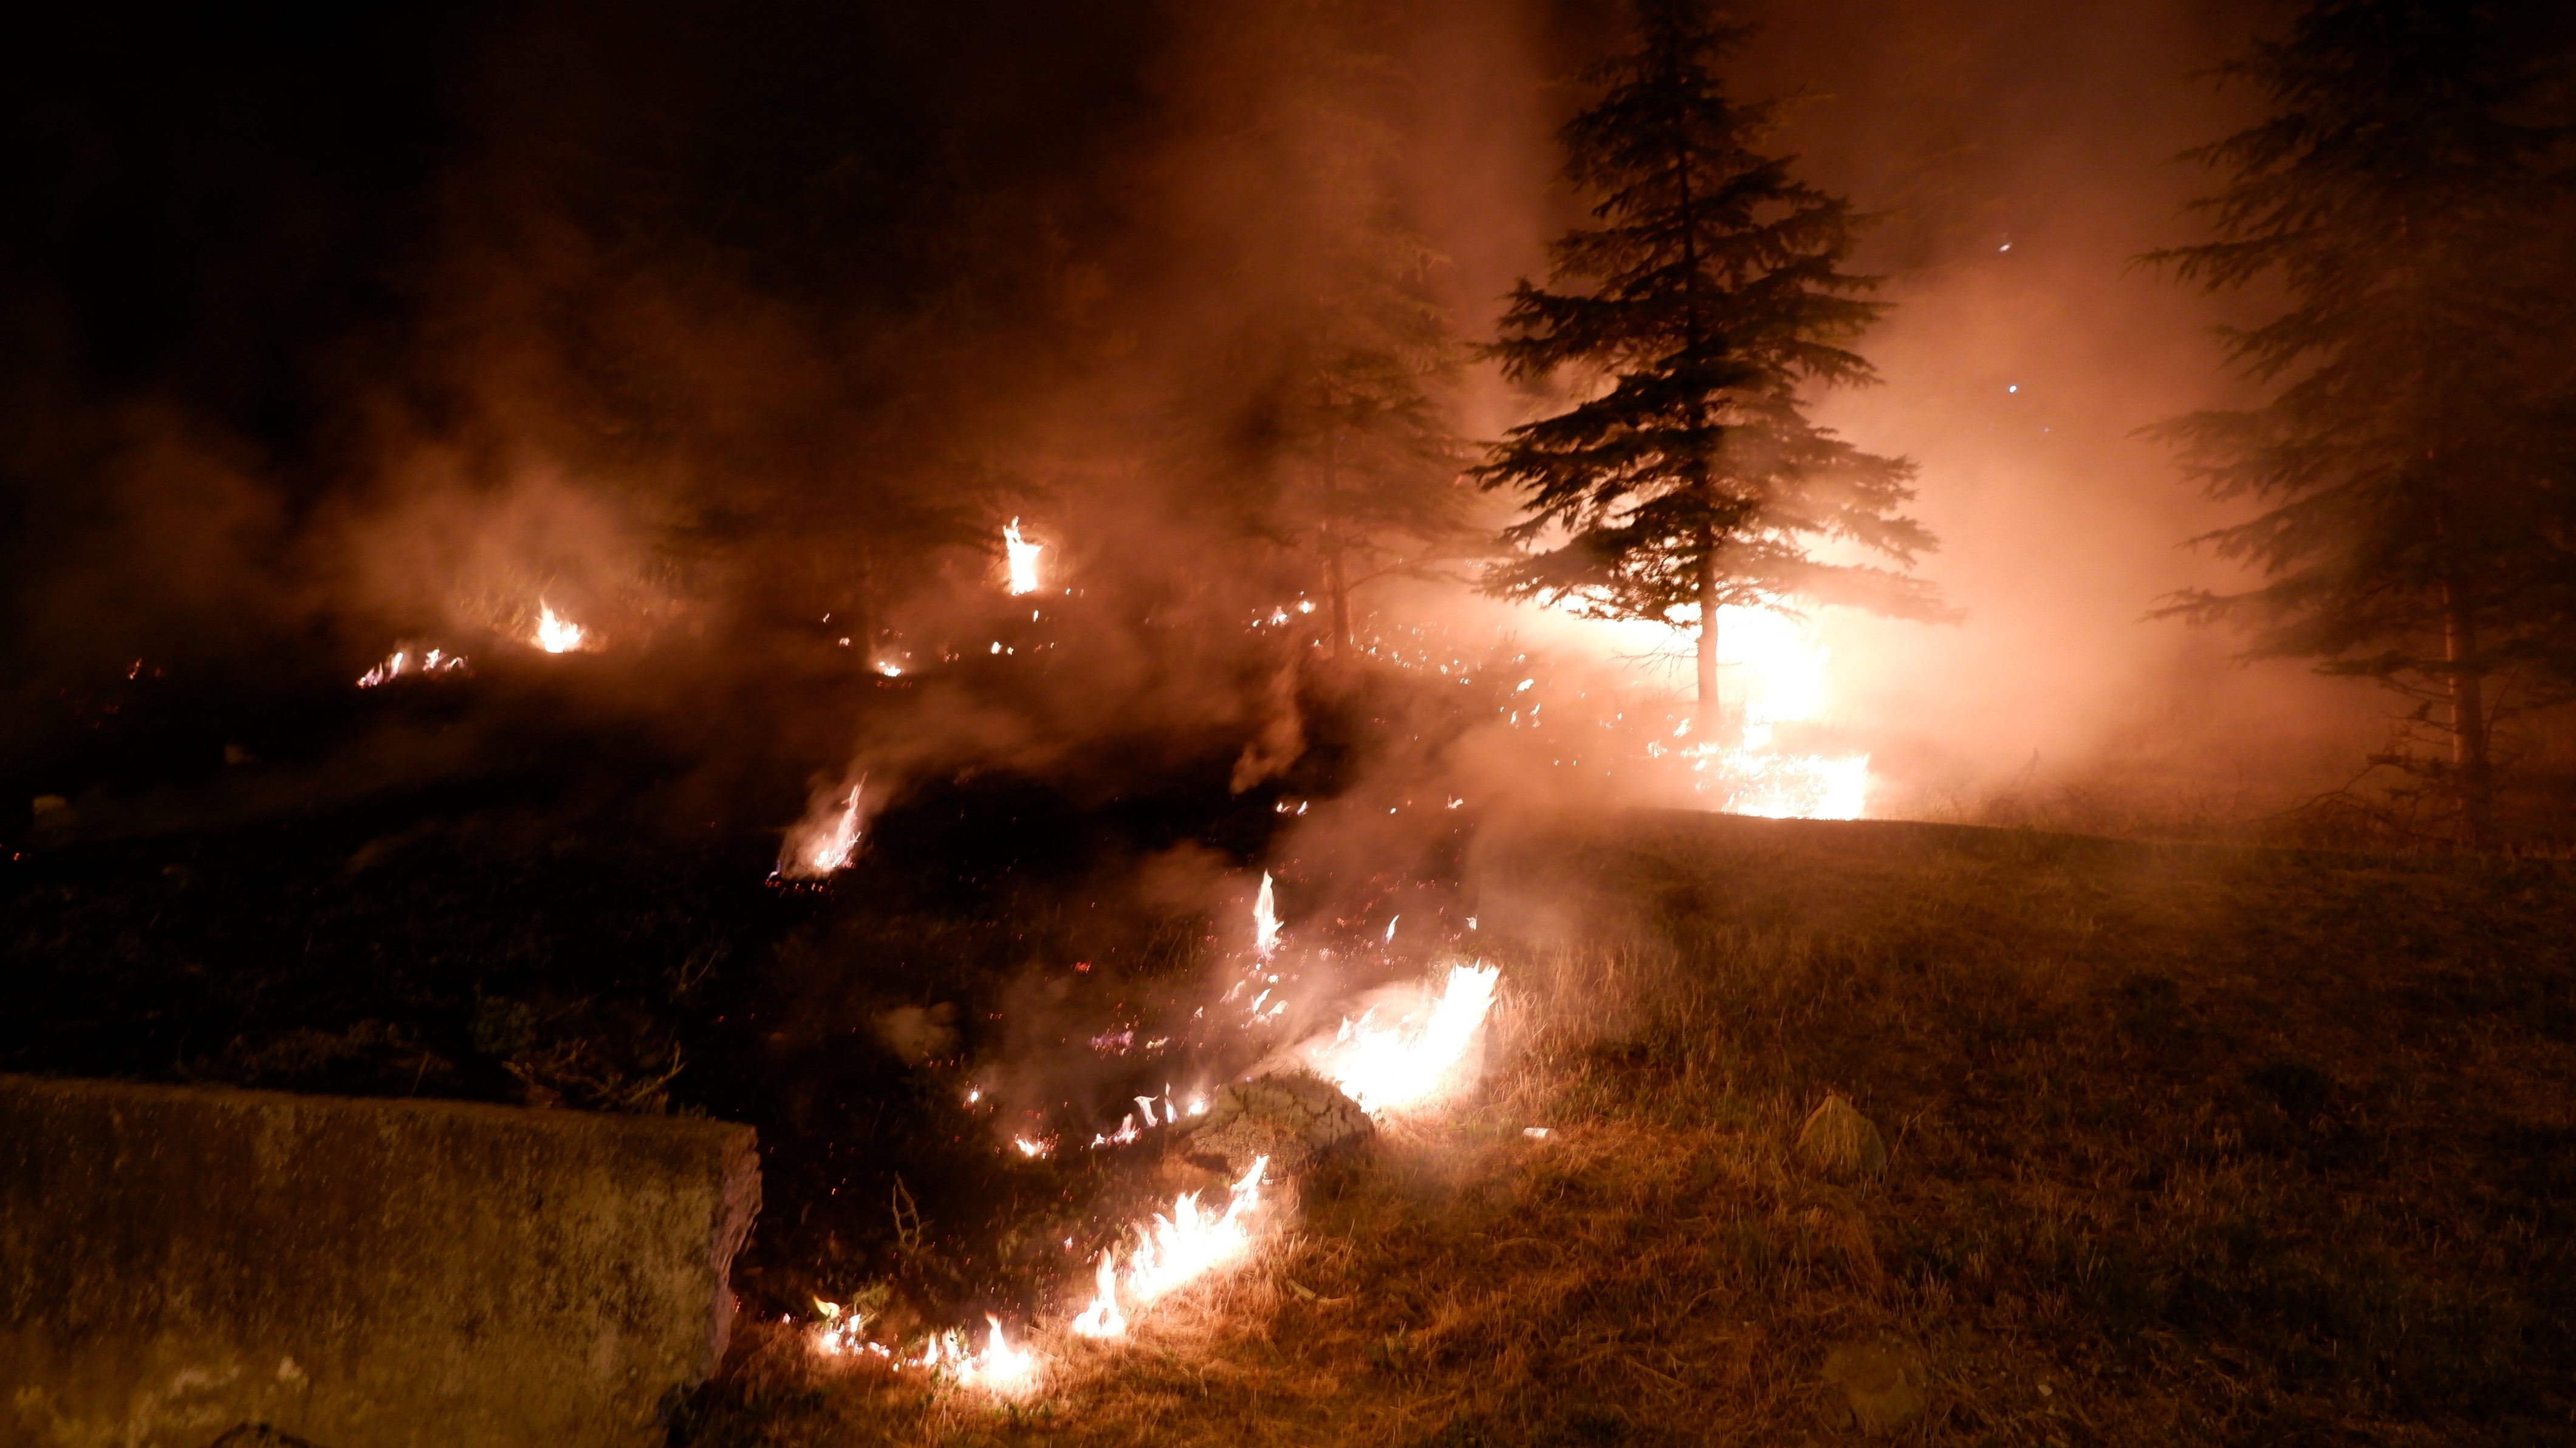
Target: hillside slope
[{"x": 2183, "y": 1145}]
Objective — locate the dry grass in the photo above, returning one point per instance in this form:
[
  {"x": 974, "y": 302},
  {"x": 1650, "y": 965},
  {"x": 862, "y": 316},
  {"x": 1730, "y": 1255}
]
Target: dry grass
[{"x": 2183, "y": 1146}]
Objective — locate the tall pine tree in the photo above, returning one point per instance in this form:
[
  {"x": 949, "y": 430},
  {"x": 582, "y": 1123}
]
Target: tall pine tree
[
  {"x": 2410, "y": 455},
  {"x": 1708, "y": 296}
]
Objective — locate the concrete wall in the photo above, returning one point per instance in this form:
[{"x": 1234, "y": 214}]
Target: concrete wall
[{"x": 362, "y": 1274}]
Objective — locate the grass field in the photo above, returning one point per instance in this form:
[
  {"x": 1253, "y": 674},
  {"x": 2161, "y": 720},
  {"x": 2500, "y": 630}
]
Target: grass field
[{"x": 2184, "y": 1145}]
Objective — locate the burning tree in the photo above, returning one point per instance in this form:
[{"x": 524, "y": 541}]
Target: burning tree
[
  {"x": 2412, "y": 451},
  {"x": 1712, "y": 292}
]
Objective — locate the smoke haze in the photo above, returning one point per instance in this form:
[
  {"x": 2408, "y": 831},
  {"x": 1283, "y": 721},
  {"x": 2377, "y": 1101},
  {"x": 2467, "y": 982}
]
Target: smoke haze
[{"x": 735, "y": 332}]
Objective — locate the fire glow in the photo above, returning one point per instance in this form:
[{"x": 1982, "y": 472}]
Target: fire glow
[
  {"x": 1265, "y": 920},
  {"x": 555, "y": 633},
  {"x": 1173, "y": 1250},
  {"x": 1416, "y": 1061},
  {"x": 827, "y": 840},
  {"x": 1023, "y": 559},
  {"x": 1176, "y": 1249},
  {"x": 404, "y": 661},
  {"x": 1775, "y": 671},
  {"x": 1407, "y": 1051}
]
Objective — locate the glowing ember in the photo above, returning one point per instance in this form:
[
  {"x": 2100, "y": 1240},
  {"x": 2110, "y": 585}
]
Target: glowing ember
[
  {"x": 555, "y": 633},
  {"x": 1417, "y": 1060},
  {"x": 1024, "y": 558},
  {"x": 1265, "y": 920},
  {"x": 1175, "y": 1250}
]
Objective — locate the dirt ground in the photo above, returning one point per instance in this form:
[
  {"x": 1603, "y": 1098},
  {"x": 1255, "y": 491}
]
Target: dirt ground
[{"x": 2179, "y": 1144}]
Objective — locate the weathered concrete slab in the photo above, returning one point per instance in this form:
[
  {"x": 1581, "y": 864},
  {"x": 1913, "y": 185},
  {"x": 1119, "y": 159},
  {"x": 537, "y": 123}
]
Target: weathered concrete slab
[{"x": 175, "y": 1262}]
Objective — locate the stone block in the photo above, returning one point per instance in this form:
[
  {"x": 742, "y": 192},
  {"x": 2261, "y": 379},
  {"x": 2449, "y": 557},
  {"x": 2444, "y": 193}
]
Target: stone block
[{"x": 176, "y": 1262}]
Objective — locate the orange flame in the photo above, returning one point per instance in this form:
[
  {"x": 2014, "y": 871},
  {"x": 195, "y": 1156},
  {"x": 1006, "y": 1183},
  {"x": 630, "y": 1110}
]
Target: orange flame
[
  {"x": 828, "y": 838},
  {"x": 401, "y": 661},
  {"x": 1265, "y": 921},
  {"x": 1174, "y": 1251},
  {"x": 555, "y": 633},
  {"x": 1024, "y": 558},
  {"x": 1420, "y": 1058}
]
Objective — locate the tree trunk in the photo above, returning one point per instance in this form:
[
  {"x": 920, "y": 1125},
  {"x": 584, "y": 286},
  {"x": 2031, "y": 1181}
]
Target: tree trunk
[
  {"x": 1705, "y": 717},
  {"x": 1337, "y": 581},
  {"x": 2473, "y": 776}
]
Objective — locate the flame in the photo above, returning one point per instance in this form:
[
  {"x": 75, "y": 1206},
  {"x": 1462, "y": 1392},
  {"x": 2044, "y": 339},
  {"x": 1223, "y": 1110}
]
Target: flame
[
  {"x": 1024, "y": 558},
  {"x": 401, "y": 662},
  {"x": 1102, "y": 1318},
  {"x": 1265, "y": 920},
  {"x": 555, "y": 633},
  {"x": 1417, "y": 1060},
  {"x": 839, "y": 1335},
  {"x": 1783, "y": 669},
  {"x": 826, "y": 845},
  {"x": 1000, "y": 1366},
  {"x": 1776, "y": 671},
  {"x": 1175, "y": 1250},
  {"x": 833, "y": 852}
]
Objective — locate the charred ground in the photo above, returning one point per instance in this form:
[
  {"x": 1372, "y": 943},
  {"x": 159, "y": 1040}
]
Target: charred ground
[{"x": 526, "y": 887}]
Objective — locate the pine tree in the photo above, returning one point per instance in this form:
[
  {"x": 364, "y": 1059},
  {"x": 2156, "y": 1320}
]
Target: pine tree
[
  {"x": 1331, "y": 409},
  {"x": 2414, "y": 482},
  {"x": 1712, "y": 294},
  {"x": 1376, "y": 466}
]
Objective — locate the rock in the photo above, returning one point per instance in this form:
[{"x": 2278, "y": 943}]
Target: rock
[
  {"x": 1881, "y": 1386},
  {"x": 1840, "y": 1142},
  {"x": 1293, "y": 1118}
]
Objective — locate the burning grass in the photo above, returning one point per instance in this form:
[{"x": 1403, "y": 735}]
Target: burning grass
[{"x": 2182, "y": 1145}]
